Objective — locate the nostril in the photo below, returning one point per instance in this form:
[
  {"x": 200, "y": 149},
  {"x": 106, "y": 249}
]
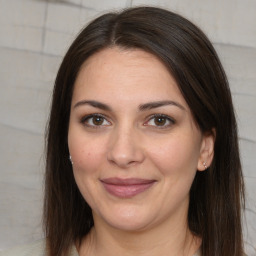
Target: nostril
[
  {"x": 124, "y": 148},
  {"x": 125, "y": 159}
]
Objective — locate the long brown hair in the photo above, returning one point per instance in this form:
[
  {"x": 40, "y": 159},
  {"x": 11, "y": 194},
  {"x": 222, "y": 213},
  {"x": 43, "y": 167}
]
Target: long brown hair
[{"x": 217, "y": 195}]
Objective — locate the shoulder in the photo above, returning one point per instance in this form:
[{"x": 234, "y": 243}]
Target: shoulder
[{"x": 36, "y": 249}]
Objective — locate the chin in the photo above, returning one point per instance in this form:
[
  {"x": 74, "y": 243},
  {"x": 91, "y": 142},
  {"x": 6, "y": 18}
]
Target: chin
[
  {"x": 127, "y": 219},
  {"x": 129, "y": 225}
]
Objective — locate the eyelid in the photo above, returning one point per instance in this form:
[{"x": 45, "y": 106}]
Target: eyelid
[
  {"x": 170, "y": 119},
  {"x": 87, "y": 117}
]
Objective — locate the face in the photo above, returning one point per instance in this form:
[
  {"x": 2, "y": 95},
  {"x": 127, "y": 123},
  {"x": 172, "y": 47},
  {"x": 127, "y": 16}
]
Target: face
[{"x": 134, "y": 144}]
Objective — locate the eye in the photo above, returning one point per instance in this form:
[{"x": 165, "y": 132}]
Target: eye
[
  {"x": 95, "y": 120},
  {"x": 161, "y": 121}
]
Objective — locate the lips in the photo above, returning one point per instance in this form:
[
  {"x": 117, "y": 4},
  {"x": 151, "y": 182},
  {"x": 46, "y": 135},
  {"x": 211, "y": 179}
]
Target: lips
[{"x": 126, "y": 188}]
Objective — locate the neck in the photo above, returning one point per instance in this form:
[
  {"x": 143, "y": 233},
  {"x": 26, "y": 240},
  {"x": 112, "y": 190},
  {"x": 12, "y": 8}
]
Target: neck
[{"x": 168, "y": 238}]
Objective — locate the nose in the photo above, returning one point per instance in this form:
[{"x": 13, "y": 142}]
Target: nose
[{"x": 125, "y": 148}]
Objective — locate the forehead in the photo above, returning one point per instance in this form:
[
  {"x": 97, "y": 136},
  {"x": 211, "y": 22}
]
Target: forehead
[{"x": 115, "y": 72}]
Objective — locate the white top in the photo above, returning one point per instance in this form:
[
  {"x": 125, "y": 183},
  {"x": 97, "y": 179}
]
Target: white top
[{"x": 38, "y": 249}]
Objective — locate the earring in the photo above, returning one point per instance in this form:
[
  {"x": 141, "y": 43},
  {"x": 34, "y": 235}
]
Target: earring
[
  {"x": 205, "y": 166},
  {"x": 70, "y": 159}
]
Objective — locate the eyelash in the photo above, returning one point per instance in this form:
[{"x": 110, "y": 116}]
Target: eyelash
[
  {"x": 167, "y": 118},
  {"x": 85, "y": 119}
]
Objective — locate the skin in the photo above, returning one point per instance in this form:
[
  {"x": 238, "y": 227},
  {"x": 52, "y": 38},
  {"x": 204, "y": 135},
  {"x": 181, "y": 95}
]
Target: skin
[{"x": 127, "y": 141}]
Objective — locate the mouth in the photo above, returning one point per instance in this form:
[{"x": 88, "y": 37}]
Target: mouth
[{"x": 126, "y": 188}]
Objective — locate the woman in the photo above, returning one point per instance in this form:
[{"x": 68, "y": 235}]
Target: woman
[{"x": 142, "y": 152}]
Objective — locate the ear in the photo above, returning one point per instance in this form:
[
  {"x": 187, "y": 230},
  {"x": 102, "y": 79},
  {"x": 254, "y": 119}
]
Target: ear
[{"x": 206, "y": 151}]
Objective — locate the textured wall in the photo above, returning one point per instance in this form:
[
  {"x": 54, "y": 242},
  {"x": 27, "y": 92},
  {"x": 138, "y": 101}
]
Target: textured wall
[{"x": 34, "y": 35}]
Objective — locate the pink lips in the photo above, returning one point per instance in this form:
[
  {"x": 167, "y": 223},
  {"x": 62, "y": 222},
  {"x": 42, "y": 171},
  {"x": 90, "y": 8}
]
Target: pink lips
[{"x": 126, "y": 188}]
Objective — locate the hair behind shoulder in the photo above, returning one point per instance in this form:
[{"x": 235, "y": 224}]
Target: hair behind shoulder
[{"x": 217, "y": 195}]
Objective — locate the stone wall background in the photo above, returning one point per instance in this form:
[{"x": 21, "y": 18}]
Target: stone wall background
[{"x": 34, "y": 35}]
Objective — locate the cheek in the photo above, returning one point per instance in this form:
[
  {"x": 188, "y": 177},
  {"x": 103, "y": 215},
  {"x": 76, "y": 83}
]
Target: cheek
[
  {"x": 175, "y": 155},
  {"x": 87, "y": 154}
]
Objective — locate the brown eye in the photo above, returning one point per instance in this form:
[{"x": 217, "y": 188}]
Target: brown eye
[
  {"x": 160, "y": 121},
  {"x": 95, "y": 120}
]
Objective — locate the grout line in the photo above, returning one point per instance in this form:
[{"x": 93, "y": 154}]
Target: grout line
[
  {"x": 22, "y": 129},
  {"x": 44, "y": 26},
  {"x": 249, "y": 177},
  {"x": 67, "y": 3},
  {"x": 30, "y": 51},
  {"x": 233, "y": 45},
  {"x": 247, "y": 140},
  {"x": 243, "y": 94}
]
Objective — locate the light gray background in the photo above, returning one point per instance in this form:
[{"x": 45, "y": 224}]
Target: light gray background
[{"x": 34, "y": 35}]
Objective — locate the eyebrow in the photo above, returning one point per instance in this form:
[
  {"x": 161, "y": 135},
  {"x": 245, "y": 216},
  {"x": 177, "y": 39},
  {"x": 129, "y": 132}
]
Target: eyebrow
[
  {"x": 93, "y": 103},
  {"x": 142, "y": 107},
  {"x": 157, "y": 104}
]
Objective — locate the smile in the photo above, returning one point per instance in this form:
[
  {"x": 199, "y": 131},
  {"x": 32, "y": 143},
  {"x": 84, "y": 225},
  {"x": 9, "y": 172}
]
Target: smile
[{"x": 126, "y": 188}]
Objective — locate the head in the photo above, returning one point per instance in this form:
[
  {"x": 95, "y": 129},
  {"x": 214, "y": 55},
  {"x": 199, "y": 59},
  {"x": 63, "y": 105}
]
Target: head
[{"x": 186, "y": 53}]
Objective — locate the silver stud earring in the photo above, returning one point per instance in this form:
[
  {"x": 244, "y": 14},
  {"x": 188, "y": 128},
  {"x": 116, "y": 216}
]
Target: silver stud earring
[
  {"x": 205, "y": 166},
  {"x": 70, "y": 159}
]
